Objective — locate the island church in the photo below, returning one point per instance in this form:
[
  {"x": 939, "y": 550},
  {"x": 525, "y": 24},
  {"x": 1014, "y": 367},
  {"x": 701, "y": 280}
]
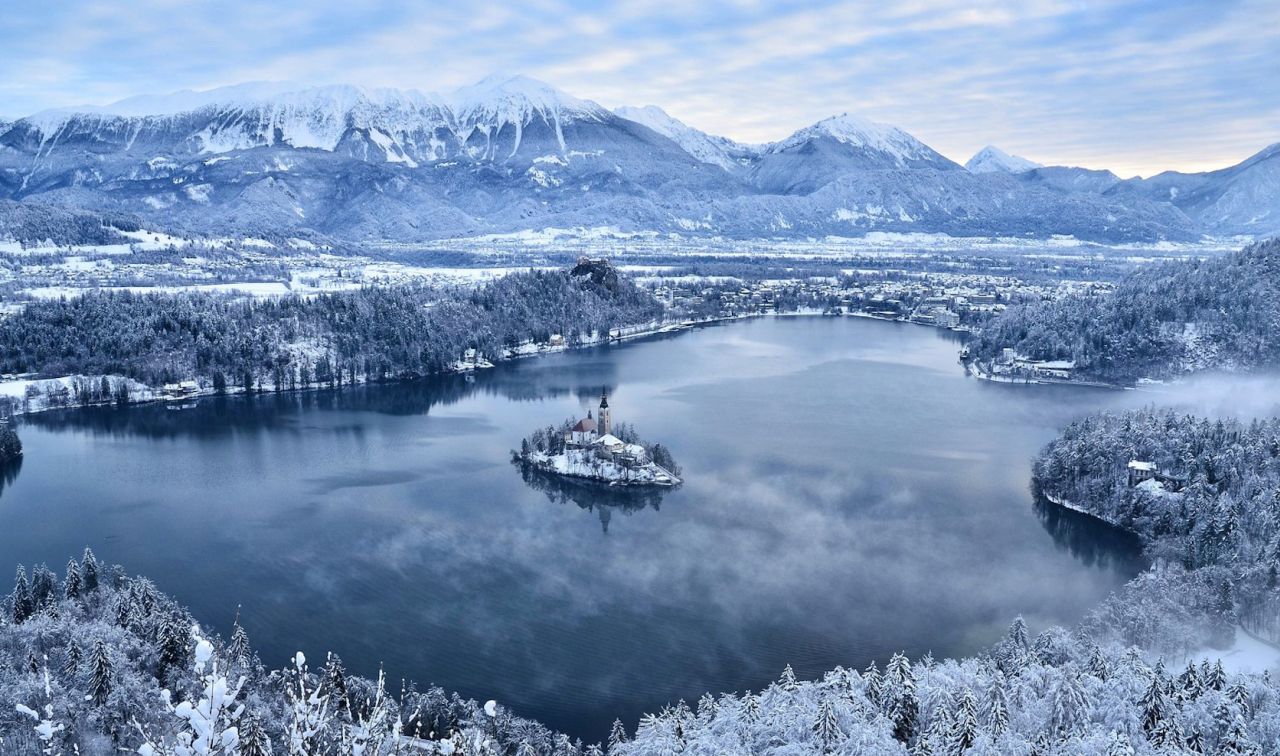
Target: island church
[{"x": 597, "y": 432}]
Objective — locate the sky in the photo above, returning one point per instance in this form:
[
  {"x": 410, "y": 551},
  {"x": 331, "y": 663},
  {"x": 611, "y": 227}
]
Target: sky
[{"x": 1132, "y": 85}]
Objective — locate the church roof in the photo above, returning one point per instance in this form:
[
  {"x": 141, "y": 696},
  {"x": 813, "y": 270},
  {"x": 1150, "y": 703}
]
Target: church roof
[{"x": 585, "y": 425}]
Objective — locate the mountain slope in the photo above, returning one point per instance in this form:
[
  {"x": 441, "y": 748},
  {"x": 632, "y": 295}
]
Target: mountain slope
[
  {"x": 715, "y": 150},
  {"x": 1241, "y": 199}
]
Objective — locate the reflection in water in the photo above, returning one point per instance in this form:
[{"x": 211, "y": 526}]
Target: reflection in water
[
  {"x": 9, "y": 472},
  {"x": 1092, "y": 541},
  {"x": 219, "y": 415},
  {"x": 591, "y": 495}
]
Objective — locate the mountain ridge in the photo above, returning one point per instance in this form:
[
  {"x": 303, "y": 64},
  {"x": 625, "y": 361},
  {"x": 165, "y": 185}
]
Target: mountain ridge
[{"x": 511, "y": 153}]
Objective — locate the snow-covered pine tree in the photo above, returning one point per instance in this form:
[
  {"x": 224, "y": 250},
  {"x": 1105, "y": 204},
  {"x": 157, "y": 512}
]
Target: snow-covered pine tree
[
  {"x": 173, "y": 651},
  {"x": 253, "y": 739},
  {"x": 20, "y": 601},
  {"x": 1120, "y": 745},
  {"x": 71, "y": 582},
  {"x": 1189, "y": 682},
  {"x": 1098, "y": 666},
  {"x": 707, "y": 708},
  {"x": 873, "y": 684},
  {"x": 617, "y": 735},
  {"x": 333, "y": 685},
  {"x": 826, "y": 727},
  {"x": 1217, "y": 677},
  {"x": 71, "y": 665},
  {"x": 239, "y": 652},
  {"x": 1154, "y": 706},
  {"x": 788, "y": 680},
  {"x": 1018, "y": 633},
  {"x": 996, "y": 714},
  {"x": 965, "y": 730},
  {"x": 44, "y": 586},
  {"x": 1070, "y": 706},
  {"x": 100, "y": 683},
  {"x": 89, "y": 571}
]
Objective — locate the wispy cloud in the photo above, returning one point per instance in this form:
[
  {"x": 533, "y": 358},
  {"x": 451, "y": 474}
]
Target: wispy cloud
[{"x": 1134, "y": 85}]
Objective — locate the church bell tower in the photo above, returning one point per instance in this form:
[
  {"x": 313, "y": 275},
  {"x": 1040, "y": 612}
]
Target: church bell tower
[{"x": 604, "y": 417}]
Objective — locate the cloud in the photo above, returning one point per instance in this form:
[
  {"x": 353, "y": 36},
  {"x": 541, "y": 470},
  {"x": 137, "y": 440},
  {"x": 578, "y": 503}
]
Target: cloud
[{"x": 1136, "y": 86}]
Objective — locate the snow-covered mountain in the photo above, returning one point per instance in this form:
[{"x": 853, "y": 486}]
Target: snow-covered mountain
[
  {"x": 816, "y": 155},
  {"x": 991, "y": 159},
  {"x": 715, "y": 150},
  {"x": 510, "y": 153},
  {"x": 1244, "y": 198}
]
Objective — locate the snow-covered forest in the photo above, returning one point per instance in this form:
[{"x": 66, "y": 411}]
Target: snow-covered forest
[
  {"x": 96, "y": 662},
  {"x": 370, "y": 334},
  {"x": 1214, "y": 514},
  {"x": 1160, "y": 321}
]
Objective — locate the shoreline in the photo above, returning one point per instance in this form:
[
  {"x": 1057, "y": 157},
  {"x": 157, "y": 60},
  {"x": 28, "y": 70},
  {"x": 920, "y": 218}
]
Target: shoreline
[{"x": 150, "y": 395}]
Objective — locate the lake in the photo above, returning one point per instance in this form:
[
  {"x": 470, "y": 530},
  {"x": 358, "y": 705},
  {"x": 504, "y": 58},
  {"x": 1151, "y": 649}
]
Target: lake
[{"x": 848, "y": 493}]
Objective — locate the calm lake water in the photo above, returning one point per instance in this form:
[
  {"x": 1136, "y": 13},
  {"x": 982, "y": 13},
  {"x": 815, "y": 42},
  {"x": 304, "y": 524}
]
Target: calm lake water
[{"x": 849, "y": 493}]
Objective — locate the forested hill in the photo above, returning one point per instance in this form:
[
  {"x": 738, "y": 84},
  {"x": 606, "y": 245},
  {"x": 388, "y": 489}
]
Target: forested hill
[
  {"x": 1161, "y": 321},
  {"x": 1211, "y": 506},
  {"x": 375, "y": 333}
]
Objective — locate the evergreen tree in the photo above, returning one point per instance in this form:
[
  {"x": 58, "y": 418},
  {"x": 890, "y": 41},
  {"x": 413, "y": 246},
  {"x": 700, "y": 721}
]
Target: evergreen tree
[
  {"x": 1018, "y": 634},
  {"x": 788, "y": 680},
  {"x": 707, "y": 707},
  {"x": 1217, "y": 677},
  {"x": 173, "y": 652},
  {"x": 826, "y": 727},
  {"x": 872, "y": 683},
  {"x": 1098, "y": 665},
  {"x": 617, "y": 735},
  {"x": 23, "y": 606},
  {"x": 1120, "y": 745},
  {"x": 100, "y": 683},
  {"x": 334, "y": 685},
  {"x": 1154, "y": 706},
  {"x": 253, "y": 739},
  {"x": 1070, "y": 706},
  {"x": 997, "y": 711},
  {"x": 1237, "y": 740},
  {"x": 72, "y": 664},
  {"x": 965, "y": 729},
  {"x": 44, "y": 586},
  {"x": 1195, "y": 742},
  {"x": 904, "y": 708},
  {"x": 89, "y": 571},
  {"x": 71, "y": 583},
  {"x": 238, "y": 650}
]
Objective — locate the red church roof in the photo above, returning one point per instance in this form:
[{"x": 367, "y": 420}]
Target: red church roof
[{"x": 585, "y": 425}]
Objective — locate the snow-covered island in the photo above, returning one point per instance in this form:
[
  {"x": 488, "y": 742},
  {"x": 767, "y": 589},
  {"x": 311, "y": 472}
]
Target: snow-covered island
[{"x": 593, "y": 448}]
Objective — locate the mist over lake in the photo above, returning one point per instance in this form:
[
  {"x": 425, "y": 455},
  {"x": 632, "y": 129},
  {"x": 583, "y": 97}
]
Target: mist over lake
[{"x": 848, "y": 493}]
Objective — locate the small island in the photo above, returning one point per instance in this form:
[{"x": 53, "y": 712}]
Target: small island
[{"x": 595, "y": 449}]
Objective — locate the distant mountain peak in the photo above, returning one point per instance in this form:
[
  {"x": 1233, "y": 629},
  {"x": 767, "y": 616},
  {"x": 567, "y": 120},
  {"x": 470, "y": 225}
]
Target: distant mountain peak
[
  {"x": 992, "y": 159},
  {"x": 859, "y": 143},
  {"x": 707, "y": 148}
]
